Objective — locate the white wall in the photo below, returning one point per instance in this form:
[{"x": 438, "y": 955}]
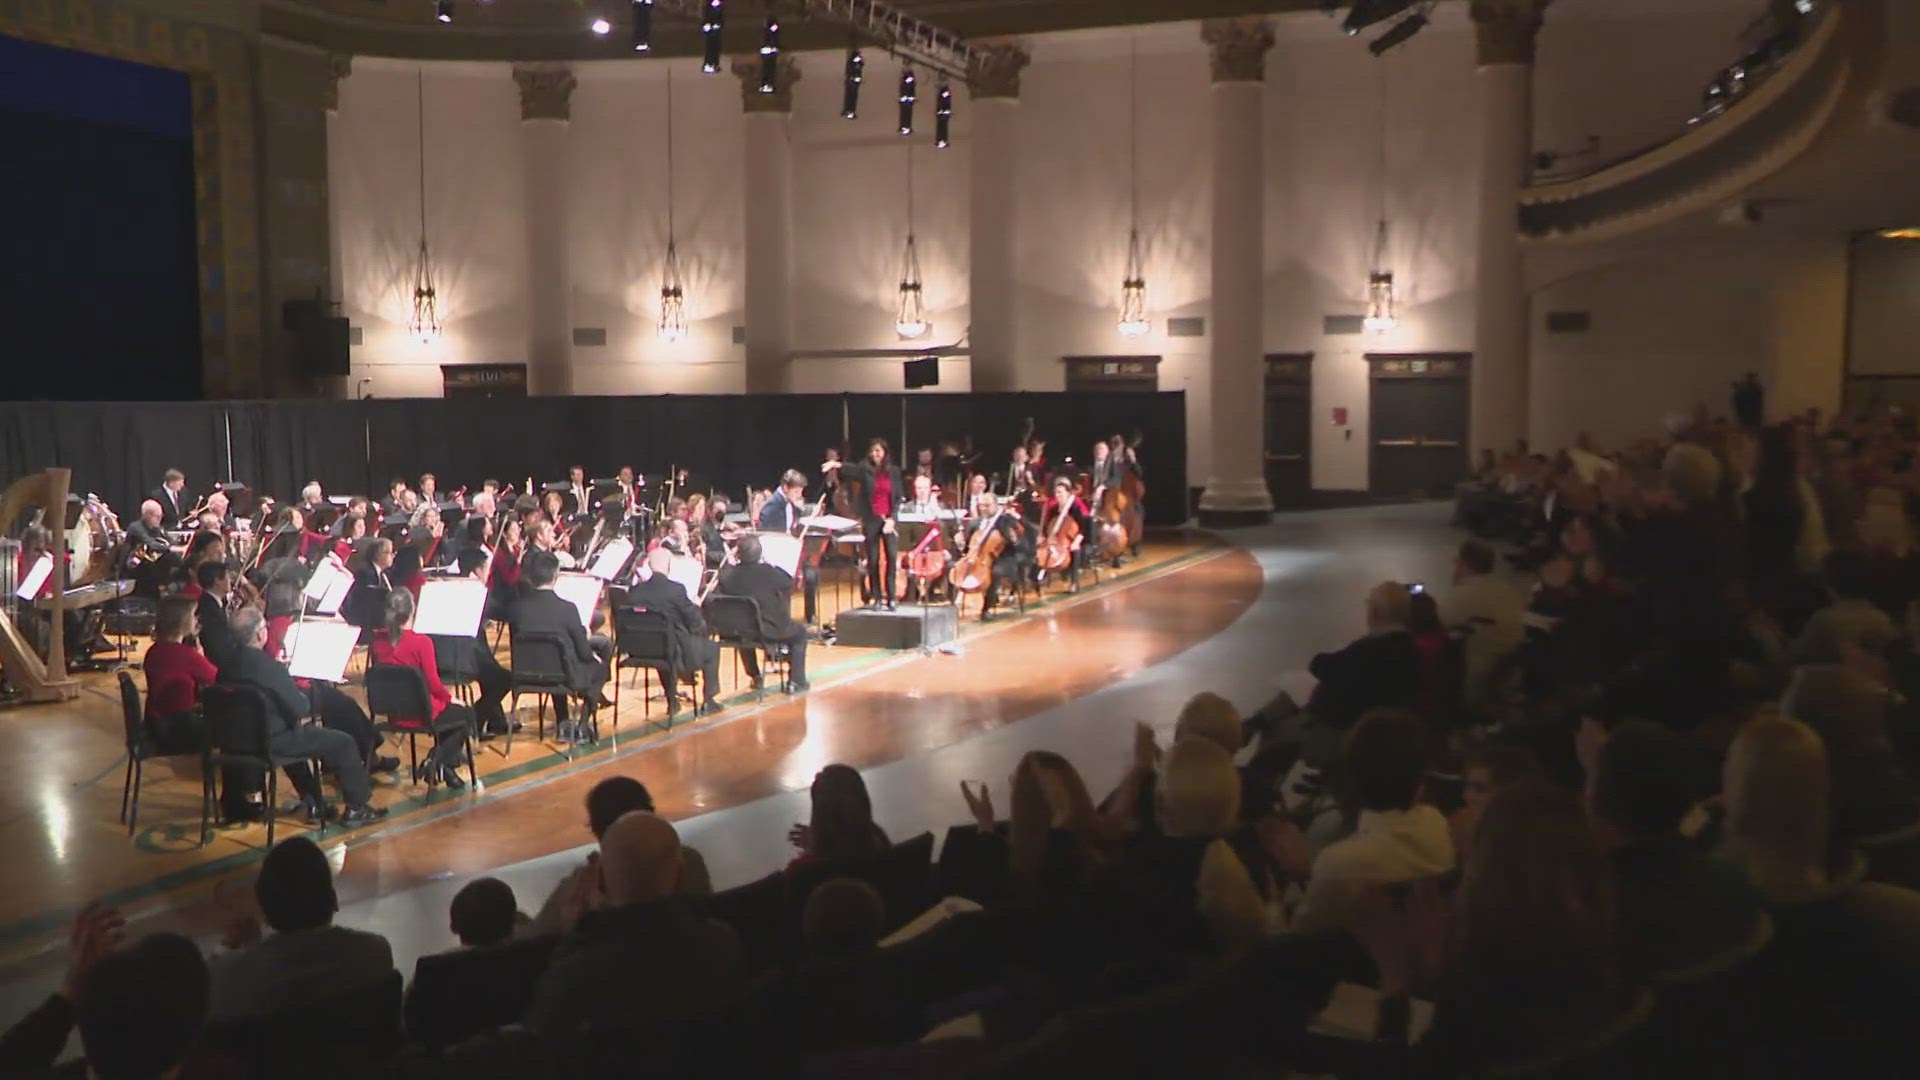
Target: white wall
[
  {"x": 1326, "y": 102},
  {"x": 1886, "y": 308}
]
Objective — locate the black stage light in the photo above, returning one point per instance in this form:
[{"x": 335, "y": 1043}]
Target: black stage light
[
  {"x": 769, "y": 55},
  {"x": 642, "y": 25},
  {"x": 710, "y": 27},
  {"x": 907, "y": 98},
  {"x": 942, "y": 116},
  {"x": 1365, "y": 13},
  {"x": 1398, "y": 33},
  {"x": 443, "y": 10},
  {"x": 850, "y": 95}
]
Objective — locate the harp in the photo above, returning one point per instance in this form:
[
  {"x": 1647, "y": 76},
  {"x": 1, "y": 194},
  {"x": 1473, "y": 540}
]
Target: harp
[{"x": 34, "y": 679}]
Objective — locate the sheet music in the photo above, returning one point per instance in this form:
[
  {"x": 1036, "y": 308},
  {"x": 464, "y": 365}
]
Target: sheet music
[
  {"x": 779, "y": 549},
  {"x": 829, "y": 522},
  {"x": 451, "y": 607},
  {"x": 320, "y": 649},
  {"x": 328, "y": 586},
  {"x": 36, "y": 577},
  {"x": 906, "y": 518},
  {"x": 686, "y": 571},
  {"x": 611, "y": 558},
  {"x": 583, "y": 592}
]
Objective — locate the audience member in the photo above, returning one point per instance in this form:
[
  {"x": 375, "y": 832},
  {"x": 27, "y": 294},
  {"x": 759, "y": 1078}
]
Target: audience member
[
  {"x": 607, "y": 802},
  {"x": 633, "y": 949},
  {"x": 484, "y": 912},
  {"x": 1381, "y": 670},
  {"x": 841, "y": 827},
  {"x": 843, "y": 920},
  {"x": 1871, "y": 794},
  {"x": 306, "y": 960}
]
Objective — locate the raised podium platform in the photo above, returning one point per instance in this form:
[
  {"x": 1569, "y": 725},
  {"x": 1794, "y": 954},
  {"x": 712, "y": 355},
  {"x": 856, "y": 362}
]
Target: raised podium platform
[{"x": 908, "y": 627}]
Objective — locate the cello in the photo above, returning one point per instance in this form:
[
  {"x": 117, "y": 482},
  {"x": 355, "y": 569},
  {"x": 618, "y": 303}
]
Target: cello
[
  {"x": 973, "y": 572},
  {"x": 1058, "y": 537}
]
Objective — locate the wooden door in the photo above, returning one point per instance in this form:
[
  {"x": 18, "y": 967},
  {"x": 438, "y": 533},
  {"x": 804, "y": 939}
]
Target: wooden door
[
  {"x": 1289, "y": 434},
  {"x": 1419, "y": 409}
]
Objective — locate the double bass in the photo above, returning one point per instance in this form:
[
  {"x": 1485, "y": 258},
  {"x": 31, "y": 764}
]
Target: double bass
[{"x": 1120, "y": 518}]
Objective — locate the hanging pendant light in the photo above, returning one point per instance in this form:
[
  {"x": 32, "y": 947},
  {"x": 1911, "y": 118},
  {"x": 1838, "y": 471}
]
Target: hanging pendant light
[
  {"x": 673, "y": 300},
  {"x": 424, "y": 326},
  {"x": 1133, "y": 287},
  {"x": 1380, "y": 316},
  {"x": 910, "y": 313}
]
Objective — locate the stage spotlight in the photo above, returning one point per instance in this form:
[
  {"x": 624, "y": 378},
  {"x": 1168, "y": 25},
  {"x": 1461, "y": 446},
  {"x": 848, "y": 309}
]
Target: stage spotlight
[
  {"x": 600, "y": 27},
  {"x": 942, "y": 116},
  {"x": 907, "y": 98},
  {"x": 642, "y": 25},
  {"x": 850, "y": 95},
  {"x": 443, "y": 10},
  {"x": 710, "y": 27},
  {"x": 1398, "y": 33},
  {"x": 769, "y": 55},
  {"x": 1365, "y": 13}
]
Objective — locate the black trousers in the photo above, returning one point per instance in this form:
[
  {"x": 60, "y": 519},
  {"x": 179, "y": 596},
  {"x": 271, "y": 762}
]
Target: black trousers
[
  {"x": 594, "y": 679},
  {"x": 703, "y": 656},
  {"x": 494, "y": 681},
  {"x": 449, "y": 742},
  {"x": 796, "y": 651},
  {"x": 810, "y": 591},
  {"x": 337, "y": 754},
  {"x": 883, "y": 551},
  {"x": 338, "y": 712}
]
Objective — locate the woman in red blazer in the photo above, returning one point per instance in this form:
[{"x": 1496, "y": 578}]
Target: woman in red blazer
[
  {"x": 175, "y": 672},
  {"x": 397, "y": 643}
]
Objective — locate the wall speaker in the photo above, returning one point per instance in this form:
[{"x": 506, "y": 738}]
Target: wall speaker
[
  {"x": 922, "y": 372},
  {"x": 320, "y": 346}
]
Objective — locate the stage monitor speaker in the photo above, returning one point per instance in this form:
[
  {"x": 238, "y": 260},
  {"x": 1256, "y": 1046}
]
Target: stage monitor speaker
[
  {"x": 321, "y": 348},
  {"x": 922, "y": 372}
]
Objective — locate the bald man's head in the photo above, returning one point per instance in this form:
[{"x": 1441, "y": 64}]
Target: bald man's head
[
  {"x": 660, "y": 560},
  {"x": 639, "y": 859}
]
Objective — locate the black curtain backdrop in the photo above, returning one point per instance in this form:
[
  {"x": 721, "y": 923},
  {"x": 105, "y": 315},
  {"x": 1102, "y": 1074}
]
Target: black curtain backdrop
[
  {"x": 99, "y": 289},
  {"x": 730, "y": 441}
]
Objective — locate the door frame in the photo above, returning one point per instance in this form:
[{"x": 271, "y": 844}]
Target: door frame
[
  {"x": 1094, "y": 374},
  {"x": 1288, "y": 369},
  {"x": 1409, "y": 365}
]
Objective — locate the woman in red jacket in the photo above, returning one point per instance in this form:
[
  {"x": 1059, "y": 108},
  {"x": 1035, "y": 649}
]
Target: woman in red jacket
[
  {"x": 175, "y": 672},
  {"x": 397, "y": 643}
]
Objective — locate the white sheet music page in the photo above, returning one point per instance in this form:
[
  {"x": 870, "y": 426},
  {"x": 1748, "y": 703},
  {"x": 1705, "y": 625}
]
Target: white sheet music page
[
  {"x": 611, "y": 559},
  {"x": 781, "y": 550},
  {"x": 686, "y": 570},
  {"x": 36, "y": 577},
  {"x": 583, "y": 592},
  {"x": 320, "y": 650},
  {"x": 451, "y": 607},
  {"x": 829, "y": 522}
]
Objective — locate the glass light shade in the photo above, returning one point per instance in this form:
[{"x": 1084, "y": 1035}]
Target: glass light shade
[
  {"x": 673, "y": 302},
  {"x": 910, "y": 316},
  {"x": 1380, "y": 316},
  {"x": 1133, "y": 292},
  {"x": 424, "y": 326}
]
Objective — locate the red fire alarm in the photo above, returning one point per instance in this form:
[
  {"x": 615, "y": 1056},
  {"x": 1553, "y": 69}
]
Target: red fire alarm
[{"x": 1339, "y": 416}]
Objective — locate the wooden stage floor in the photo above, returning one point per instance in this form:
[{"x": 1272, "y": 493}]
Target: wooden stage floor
[{"x": 61, "y": 778}]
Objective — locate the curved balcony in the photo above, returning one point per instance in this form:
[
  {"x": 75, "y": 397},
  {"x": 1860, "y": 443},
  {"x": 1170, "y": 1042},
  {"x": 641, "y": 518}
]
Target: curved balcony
[{"x": 1754, "y": 123}]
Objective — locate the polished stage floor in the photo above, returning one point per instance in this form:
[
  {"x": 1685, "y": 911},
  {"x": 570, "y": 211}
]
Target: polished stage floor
[{"x": 1238, "y": 613}]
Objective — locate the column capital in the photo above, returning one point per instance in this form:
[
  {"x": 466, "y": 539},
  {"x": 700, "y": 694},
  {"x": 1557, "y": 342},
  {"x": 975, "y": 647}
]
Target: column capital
[
  {"x": 995, "y": 72},
  {"x": 1505, "y": 30},
  {"x": 786, "y": 72},
  {"x": 546, "y": 91},
  {"x": 339, "y": 66},
  {"x": 1238, "y": 48}
]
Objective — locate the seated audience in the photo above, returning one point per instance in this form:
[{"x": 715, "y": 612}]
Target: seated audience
[
  {"x": 841, "y": 827},
  {"x": 1486, "y": 771},
  {"x": 1054, "y": 844},
  {"x": 1487, "y": 612},
  {"x": 306, "y": 960},
  {"x": 607, "y": 802},
  {"x": 633, "y": 949},
  {"x": 843, "y": 920},
  {"x": 1398, "y": 838},
  {"x": 1189, "y": 887},
  {"x": 1871, "y": 794},
  {"x": 484, "y": 913},
  {"x": 1381, "y": 670}
]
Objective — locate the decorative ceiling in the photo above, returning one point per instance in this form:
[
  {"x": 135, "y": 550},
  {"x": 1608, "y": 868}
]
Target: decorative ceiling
[{"x": 557, "y": 29}]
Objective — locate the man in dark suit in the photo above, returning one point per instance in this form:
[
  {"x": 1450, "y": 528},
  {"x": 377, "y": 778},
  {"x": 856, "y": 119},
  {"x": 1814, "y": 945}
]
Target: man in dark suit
[
  {"x": 287, "y": 706},
  {"x": 1378, "y": 671},
  {"x": 771, "y": 589},
  {"x": 543, "y": 611},
  {"x": 1007, "y": 567},
  {"x": 668, "y": 597},
  {"x": 216, "y": 635},
  {"x": 171, "y": 495},
  {"x": 782, "y": 513},
  {"x": 366, "y": 603}
]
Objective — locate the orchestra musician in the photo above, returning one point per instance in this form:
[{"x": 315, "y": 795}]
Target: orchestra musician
[
  {"x": 312, "y": 498},
  {"x": 395, "y": 501},
  {"x": 1020, "y": 474},
  {"x": 544, "y": 611},
  {"x": 1106, "y": 469},
  {"x": 366, "y": 602},
  {"x": 546, "y": 538},
  {"x": 659, "y": 592},
  {"x": 170, "y": 495},
  {"x": 976, "y": 487},
  {"x": 771, "y": 589},
  {"x": 782, "y": 513},
  {"x": 348, "y": 532},
  {"x": 713, "y": 536},
  {"x": 882, "y": 490},
  {"x": 429, "y": 489},
  {"x": 993, "y": 517},
  {"x": 577, "y": 487},
  {"x": 1037, "y": 459},
  {"x": 398, "y": 644},
  {"x": 216, "y": 634},
  {"x": 219, "y": 512},
  {"x": 1065, "y": 500},
  {"x": 924, "y": 503}
]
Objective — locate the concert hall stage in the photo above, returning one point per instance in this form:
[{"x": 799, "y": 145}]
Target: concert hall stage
[{"x": 62, "y": 774}]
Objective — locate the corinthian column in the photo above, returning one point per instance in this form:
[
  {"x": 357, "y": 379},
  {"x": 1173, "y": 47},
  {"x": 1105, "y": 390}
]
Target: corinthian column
[
  {"x": 1236, "y": 492},
  {"x": 1498, "y": 377},
  {"x": 546, "y": 96},
  {"x": 769, "y": 222},
  {"x": 991, "y": 290}
]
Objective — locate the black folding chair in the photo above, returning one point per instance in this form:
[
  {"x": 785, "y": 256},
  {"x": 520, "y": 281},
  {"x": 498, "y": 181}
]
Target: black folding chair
[
  {"x": 645, "y": 640},
  {"x": 399, "y": 693},
  {"x": 454, "y": 658},
  {"x": 735, "y": 623},
  {"x": 543, "y": 665},
  {"x": 239, "y": 734},
  {"x": 141, "y": 749}
]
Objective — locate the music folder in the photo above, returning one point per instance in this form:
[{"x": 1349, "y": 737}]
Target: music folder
[
  {"x": 36, "y": 577},
  {"x": 779, "y": 549},
  {"x": 451, "y": 607},
  {"x": 606, "y": 565},
  {"x": 328, "y": 586},
  {"x": 320, "y": 649},
  {"x": 830, "y": 522},
  {"x": 583, "y": 592}
]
